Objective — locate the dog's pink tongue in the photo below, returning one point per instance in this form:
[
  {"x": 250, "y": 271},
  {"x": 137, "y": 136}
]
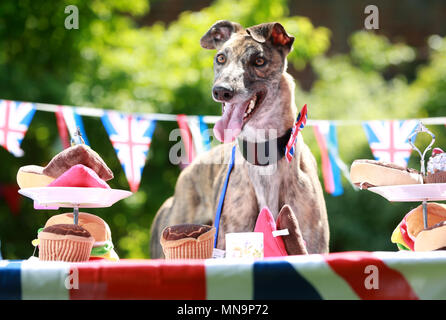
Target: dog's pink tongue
[{"x": 230, "y": 124}]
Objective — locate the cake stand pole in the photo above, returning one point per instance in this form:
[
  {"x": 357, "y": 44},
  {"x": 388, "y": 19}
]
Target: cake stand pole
[
  {"x": 421, "y": 128},
  {"x": 425, "y": 214},
  {"x": 76, "y": 215}
]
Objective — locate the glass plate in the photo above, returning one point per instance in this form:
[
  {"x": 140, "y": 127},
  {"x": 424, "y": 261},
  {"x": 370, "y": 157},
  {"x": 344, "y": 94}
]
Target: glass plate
[
  {"x": 72, "y": 197},
  {"x": 412, "y": 192}
]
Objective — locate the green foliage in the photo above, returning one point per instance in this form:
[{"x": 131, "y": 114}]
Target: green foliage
[
  {"x": 374, "y": 52},
  {"x": 430, "y": 83},
  {"x": 113, "y": 62}
]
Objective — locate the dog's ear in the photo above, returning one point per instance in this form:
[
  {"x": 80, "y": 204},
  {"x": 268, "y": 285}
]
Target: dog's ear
[
  {"x": 219, "y": 33},
  {"x": 273, "y": 32}
]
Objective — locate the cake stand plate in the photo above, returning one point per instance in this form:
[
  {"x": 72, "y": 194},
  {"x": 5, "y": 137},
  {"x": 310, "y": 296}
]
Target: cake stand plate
[
  {"x": 412, "y": 192},
  {"x": 75, "y": 197}
]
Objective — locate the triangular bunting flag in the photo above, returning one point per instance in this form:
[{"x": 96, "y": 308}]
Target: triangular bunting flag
[
  {"x": 15, "y": 118},
  {"x": 200, "y": 136},
  {"x": 388, "y": 140},
  {"x": 326, "y": 137},
  {"x": 186, "y": 136},
  {"x": 131, "y": 137},
  {"x": 74, "y": 121},
  {"x": 62, "y": 128}
]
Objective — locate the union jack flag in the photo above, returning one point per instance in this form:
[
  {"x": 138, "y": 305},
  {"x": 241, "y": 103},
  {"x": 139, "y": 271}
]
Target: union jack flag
[
  {"x": 15, "y": 118},
  {"x": 298, "y": 126},
  {"x": 131, "y": 137},
  {"x": 388, "y": 140}
]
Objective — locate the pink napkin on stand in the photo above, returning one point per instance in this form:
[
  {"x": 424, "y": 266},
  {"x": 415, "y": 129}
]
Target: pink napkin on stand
[{"x": 79, "y": 176}]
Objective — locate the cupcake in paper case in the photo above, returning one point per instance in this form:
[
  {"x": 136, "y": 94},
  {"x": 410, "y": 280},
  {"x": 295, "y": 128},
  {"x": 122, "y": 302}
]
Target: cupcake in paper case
[
  {"x": 188, "y": 241},
  {"x": 65, "y": 242},
  {"x": 436, "y": 167},
  {"x": 103, "y": 247}
]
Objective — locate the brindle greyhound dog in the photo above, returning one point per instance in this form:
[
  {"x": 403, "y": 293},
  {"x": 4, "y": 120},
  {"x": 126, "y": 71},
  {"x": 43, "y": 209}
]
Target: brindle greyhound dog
[{"x": 257, "y": 95}]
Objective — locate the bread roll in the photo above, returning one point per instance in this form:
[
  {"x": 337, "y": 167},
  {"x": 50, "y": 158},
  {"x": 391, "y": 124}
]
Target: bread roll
[
  {"x": 406, "y": 233},
  {"x": 436, "y": 213},
  {"x": 32, "y": 177},
  {"x": 371, "y": 173},
  {"x": 433, "y": 238},
  {"x": 95, "y": 225}
]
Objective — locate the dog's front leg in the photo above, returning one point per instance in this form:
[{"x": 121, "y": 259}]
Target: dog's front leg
[{"x": 294, "y": 242}]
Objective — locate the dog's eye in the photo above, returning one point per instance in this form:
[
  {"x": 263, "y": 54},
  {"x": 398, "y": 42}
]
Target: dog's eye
[
  {"x": 259, "y": 62},
  {"x": 221, "y": 59}
]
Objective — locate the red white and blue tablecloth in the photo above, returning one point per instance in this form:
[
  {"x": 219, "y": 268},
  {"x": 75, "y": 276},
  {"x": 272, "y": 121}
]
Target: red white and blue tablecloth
[{"x": 397, "y": 275}]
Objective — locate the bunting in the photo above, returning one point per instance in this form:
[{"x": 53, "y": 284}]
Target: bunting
[
  {"x": 326, "y": 137},
  {"x": 200, "y": 135},
  {"x": 186, "y": 137},
  {"x": 131, "y": 137},
  {"x": 74, "y": 122},
  {"x": 62, "y": 128},
  {"x": 15, "y": 118},
  {"x": 388, "y": 140}
]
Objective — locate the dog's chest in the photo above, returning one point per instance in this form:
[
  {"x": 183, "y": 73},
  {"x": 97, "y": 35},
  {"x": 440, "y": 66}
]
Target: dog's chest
[{"x": 266, "y": 182}]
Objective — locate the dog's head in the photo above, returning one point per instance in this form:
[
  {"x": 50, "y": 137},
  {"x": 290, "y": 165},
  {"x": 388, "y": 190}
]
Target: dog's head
[{"x": 248, "y": 67}]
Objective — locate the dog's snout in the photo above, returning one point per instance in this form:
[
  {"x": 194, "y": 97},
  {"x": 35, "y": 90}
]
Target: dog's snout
[{"x": 222, "y": 93}]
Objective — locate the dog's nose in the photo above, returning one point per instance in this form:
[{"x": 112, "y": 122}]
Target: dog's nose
[{"x": 222, "y": 94}]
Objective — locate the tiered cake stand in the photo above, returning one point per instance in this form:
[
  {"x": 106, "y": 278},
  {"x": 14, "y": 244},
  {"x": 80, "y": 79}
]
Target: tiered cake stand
[
  {"x": 73, "y": 197},
  {"x": 415, "y": 192},
  {"x": 53, "y": 198}
]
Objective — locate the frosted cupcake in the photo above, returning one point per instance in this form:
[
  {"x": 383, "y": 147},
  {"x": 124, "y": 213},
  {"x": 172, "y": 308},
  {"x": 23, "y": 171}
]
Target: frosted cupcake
[
  {"x": 188, "y": 241},
  {"x": 65, "y": 242},
  {"x": 436, "y": 167}
]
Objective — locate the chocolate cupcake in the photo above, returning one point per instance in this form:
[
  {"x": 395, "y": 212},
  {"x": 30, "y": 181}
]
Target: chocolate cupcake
[
  {"x": 436, "y": 167},
  {"x": 65, "y": 242},
  {"x": 188, "y": 241}
]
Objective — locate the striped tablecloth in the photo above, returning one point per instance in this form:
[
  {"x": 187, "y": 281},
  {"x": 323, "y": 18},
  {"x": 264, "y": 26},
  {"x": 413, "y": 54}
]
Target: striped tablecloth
[{"x": 344, "y": 275}]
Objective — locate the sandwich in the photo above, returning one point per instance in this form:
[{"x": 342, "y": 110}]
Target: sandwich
[{"x": 410, "y": 233}]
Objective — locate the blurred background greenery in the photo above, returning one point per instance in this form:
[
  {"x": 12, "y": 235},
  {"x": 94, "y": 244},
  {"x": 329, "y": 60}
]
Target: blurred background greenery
[{"x": 144, "y": 56}]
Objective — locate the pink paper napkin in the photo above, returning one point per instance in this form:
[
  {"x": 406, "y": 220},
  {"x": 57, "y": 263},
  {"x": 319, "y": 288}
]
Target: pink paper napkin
[{"x": 79, "y": 176}]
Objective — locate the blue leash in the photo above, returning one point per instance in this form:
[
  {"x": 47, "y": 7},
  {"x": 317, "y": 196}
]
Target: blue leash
[{"x": 222, "y": 197}]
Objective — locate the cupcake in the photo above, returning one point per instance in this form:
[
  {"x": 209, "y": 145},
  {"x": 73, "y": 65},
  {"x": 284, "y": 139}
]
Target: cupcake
[
  {"x": 436, "y": 167},
  {"x": 65, "y": 242},
  {"x": 188, "y": 241},
  {"x": 103, "y": 247}
]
